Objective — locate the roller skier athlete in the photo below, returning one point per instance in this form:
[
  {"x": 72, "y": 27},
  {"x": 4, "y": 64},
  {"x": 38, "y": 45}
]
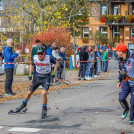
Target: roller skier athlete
[
  {"x": 43, "y": 64},
  {"x": 126, "y": 79}
]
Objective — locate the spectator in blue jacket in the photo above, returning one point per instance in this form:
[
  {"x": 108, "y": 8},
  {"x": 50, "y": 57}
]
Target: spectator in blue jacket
[
  {"x": 62, "y": 53},
  {"x": 9, "y": 57},
  {"x": 49, "y": 50}
]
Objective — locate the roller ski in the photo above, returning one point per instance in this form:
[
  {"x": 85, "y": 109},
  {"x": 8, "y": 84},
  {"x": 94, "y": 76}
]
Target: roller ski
[{"x": 21, "y": 109}]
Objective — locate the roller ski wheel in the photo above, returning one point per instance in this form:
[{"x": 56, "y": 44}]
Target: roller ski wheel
[{"x": 18, "y": 112}]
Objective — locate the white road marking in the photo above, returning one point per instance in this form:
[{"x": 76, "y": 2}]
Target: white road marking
[
  {"x": 22, "y": 129},
  {"x": 1, "y": 126}
]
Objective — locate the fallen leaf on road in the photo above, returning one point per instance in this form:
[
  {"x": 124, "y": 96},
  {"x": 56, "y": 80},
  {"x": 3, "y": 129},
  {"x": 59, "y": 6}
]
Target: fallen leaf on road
[
  {"x": 122, "y": 132},
  {"x": 56, "y": 123},
  {"x": 96, "y": 112},
  {"x": 49, "y": 108}
]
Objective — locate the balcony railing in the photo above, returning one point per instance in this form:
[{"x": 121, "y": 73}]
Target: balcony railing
[{"x": 122, "y": 22}]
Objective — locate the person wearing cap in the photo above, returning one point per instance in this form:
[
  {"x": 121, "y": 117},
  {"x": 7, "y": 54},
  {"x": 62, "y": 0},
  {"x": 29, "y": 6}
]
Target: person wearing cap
[
  {"x": 43, "y": 71},
  {"x": 126, "y": 64}
]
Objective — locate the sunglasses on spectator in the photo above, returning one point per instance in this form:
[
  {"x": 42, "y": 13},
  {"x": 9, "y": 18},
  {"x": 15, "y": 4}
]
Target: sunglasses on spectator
[{"x": 40, "y": 53}]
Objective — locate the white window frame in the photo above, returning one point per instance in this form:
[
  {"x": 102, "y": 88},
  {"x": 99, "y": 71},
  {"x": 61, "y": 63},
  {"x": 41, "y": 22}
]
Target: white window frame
[
  {"x": 116, "y": 7},
  {"x": 85, "y": 32},
  {"x": 104, "y": 7},
  {"x": 116, "y": 32},
  {"x": 102, "y": 31},
  {"x": 131, "y": 32}
]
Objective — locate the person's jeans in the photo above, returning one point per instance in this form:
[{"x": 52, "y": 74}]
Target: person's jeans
[
  {"x": 82, "y": 70},
  {"x": 105, "y": 66},
  {"x": 9, "y": 80},
  {"x": 88, "y": 69},
  {"x": 98, "y": 65}
]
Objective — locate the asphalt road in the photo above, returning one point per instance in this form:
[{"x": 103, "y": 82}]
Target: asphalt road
[{"x": 89, "y": 108}]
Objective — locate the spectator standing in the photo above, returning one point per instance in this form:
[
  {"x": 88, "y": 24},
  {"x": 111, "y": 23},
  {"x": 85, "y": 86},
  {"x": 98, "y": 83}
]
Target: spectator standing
[
  {"x": 1, "y": 66},
  {"x": 55, "y": 54},
  {"x": 105, "y": 60},
  {"x": 61, "y": 63},
  {"x": 83, "y": 63},
  {"x": 49, "y": 50},
  {"x": 89, "y": 63},
  {"x": 37, "y": 43},
  {"x": 92, "y": 63},
  {"x": 9, "y": 57},
  {"x": 54, "y": 45},
  {"x": 98, "y": 62},
  {"x": 95, "y": 62}
]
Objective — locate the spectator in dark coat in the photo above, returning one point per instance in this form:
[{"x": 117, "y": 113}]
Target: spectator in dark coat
[{"x": 83, "y": 62}]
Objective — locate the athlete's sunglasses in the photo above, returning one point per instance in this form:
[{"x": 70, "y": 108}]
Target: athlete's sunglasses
[{"x": 40, "y": 53}]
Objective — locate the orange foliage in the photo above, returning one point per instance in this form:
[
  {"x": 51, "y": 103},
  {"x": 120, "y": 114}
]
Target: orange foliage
[{"x": 58, "y": 35}]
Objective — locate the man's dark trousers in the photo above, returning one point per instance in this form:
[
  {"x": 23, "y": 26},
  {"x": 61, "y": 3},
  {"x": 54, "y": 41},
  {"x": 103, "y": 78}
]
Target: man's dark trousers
[
  {"x": 123, "y": 93},
  {"x": 9, "y": 80},
  {"x": 82, "y": 70}
]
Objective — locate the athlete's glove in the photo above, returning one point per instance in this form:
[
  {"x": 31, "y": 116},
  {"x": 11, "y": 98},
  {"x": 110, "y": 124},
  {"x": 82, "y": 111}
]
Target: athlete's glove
[
  {"x": 52, "y": 74},
  {"x": 123, "y": 75},
  {"x": 30, "y": 77}
]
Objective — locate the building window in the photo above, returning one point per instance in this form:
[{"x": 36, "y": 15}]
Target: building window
[
  {"x": 1, "y": 6},
  {"x": 103, "y": 10},
  {"x": 116, "y": 32},
  {"x": 103, "y": 30},
  {"x": 116, "y": 10},
  {"x": 85, "y": 32},
  {"x": 132, "y": 32}
]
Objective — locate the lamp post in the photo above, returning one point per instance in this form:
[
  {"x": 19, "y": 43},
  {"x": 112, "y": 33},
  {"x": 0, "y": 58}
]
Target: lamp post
[{"x": 79, "y": 14}]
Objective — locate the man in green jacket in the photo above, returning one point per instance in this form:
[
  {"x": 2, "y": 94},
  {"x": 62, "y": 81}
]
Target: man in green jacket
[
  {"x": 105, "y": 60},
  {"x": 37, "y": 43}
]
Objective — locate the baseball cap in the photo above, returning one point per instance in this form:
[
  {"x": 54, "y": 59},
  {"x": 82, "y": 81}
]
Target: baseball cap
[{"x": 120, "y": 47}]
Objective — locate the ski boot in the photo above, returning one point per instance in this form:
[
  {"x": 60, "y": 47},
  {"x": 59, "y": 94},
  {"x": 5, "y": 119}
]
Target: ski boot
[
  {"x": 124, "y": 114},
  {"x": 22, "y": 106},
  {"x": 44, "y": 112},
  {"x": 131, "y": 122}
]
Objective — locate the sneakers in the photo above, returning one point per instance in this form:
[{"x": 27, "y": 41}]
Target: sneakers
[
  {"x": 124, "y": 114},
  {"x": 44, "y": 112},
  {"x": 10, "y": 94},
  {"x": 95, "y": 76},
  {"x": 79, "y": 78},
  {"x": 40, "y": 86},
  {"x": 22, "y": 106},
  {"x": 131, "y": 122},
  {"x": 87, "y": 78}
]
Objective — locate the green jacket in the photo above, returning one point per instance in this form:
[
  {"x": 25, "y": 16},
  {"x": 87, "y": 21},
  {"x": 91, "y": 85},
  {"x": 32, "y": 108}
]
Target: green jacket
[
  {"x": 105, "y": 56},
  {"x": 33, "y": 53}
]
